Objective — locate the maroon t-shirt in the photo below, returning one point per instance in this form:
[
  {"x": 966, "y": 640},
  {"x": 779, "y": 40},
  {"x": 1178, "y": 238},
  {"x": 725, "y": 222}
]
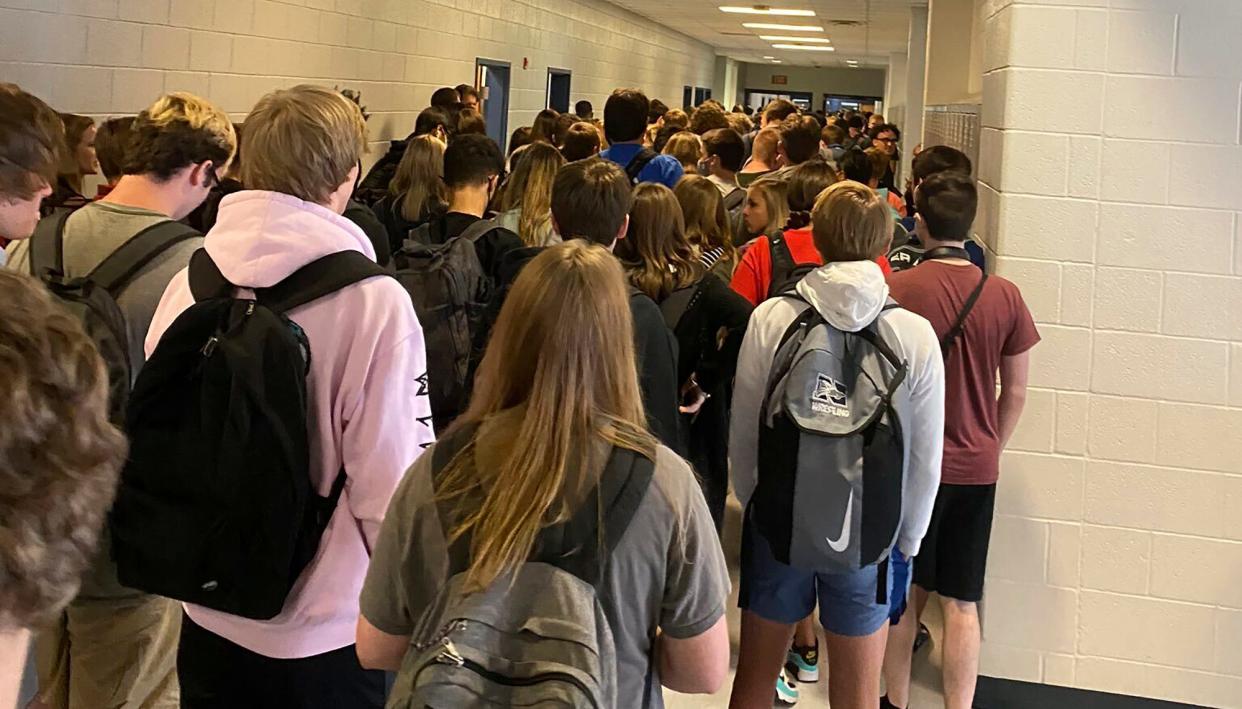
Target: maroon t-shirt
[{"x": 999, "y": 326}]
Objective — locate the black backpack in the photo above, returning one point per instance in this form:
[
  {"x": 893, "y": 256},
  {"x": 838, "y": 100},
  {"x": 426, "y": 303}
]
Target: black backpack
[
  {"x": 785, "y": 272},
  {"x": 216, "y": 505},
  {"x": 451, "y": 292},
  {"x": 640, "y": 161},
  {"x": 92, "y": 299}
]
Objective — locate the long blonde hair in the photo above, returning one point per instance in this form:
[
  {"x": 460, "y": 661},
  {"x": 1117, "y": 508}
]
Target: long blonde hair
[
  {"x": 419, "y": 180},
  {"x": 529, "y": 189},
  {"x": 655, "y": 252},
  {"x": 561, "y": 357},
  {"x": 707, "y": 222},
  {"x": 772, "y": 193}
]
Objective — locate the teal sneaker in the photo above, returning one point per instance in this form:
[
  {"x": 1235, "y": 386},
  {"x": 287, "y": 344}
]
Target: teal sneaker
[
  {"x": 786, "y": 691},
  {"x": 803, "y": 663}
]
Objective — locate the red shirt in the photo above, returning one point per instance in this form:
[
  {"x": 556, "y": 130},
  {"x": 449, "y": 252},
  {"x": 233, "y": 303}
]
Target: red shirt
[
  {"x": 753, "y": 276},
  {"x": 999, "y": 326}
]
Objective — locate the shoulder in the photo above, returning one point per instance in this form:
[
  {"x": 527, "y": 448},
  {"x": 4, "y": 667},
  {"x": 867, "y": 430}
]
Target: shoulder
[
  {"x": 674, "y": 480},
  {"x": 916, "y": 338}
]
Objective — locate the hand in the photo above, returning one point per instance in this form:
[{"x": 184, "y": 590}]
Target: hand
[{"x": 692, "y": 397}]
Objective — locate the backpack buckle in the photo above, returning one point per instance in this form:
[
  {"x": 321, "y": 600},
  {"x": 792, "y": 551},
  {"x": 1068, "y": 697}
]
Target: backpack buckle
[{"x": 210, "y": 347}]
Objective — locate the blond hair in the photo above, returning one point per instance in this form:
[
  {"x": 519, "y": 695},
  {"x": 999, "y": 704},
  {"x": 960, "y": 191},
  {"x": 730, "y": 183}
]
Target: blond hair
[
  {"x": 687, "y": 148},
  {"x": 850, "y": 223},
  {"x": 529, "y": 189},
  {"x": 561, "y": 358},
  {"x": 303, "y": 142},
  {"x": 657, "y": 256},
  {"x": 418, "y": 185},
  {"x": 179, "y": 130},
  {"x": 772, "y": 193}
]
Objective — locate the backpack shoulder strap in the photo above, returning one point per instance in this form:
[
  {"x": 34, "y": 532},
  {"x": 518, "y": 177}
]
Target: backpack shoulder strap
[
  {"x": 622, "y": 487},
  {"x": 640, "y": 161},
  {"x": 950, "y": 337},
  {"x": 734, "y": 199},
  {"x": 478, "y": 230},
  {"x": 677, "y": 304},
  {"x": 206, "y": 280},
  {"x": 420, "y": 234},
  {"x": 319, "y": 278},
  {"x": 125, "y": 263},
  {"x": 782, "y": 258},
  {"x": 47, "y": 244}
]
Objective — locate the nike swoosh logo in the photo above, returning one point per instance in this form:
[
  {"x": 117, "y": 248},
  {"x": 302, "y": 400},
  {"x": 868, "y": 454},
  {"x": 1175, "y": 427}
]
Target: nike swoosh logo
[{"x": 843, "y": 539}]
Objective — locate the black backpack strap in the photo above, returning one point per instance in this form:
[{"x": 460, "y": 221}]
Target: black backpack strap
[
  {"x": 478, "y": 230},
  {"x": 206, "y": 280},
  {"x": 677, "y": 304},
  {"x": 134, "y": 255},
  {"x": 47, "y": 244},
  {"x": 639, "y": 163},
  {"x": 622, "y": 487},
  {"x": 319, "y": 278},
  {"x": 870, "y": 335},
  {"x": 950, "y": 337},
  {"x": 783, "y": 264}
]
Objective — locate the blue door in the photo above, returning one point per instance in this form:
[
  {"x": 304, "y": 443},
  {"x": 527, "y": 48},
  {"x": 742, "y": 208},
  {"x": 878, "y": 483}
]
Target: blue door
[{"x": 492, "y": 78}]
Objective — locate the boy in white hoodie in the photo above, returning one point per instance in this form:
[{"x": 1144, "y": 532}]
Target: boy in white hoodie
[{"x": 851, "y": 228}]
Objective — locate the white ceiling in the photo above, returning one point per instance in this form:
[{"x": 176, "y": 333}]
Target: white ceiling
[{"x": 883, "y": 28}]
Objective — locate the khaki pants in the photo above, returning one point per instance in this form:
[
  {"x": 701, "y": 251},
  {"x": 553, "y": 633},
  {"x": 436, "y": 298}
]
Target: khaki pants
[{"x": 111, "y": 654}]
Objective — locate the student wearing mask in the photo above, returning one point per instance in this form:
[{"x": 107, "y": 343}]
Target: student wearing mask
[
  {"x": 847, "y": 302},
  {"x": 526, "y": 201},
  {"x": 708, "y": 319},
  {"x": 624, "y": 124},
  {"x": 417, "y": 193},
  {"x": 555, "y": 418},
  {"x": 723, "y": 151},
  {"x": 178, "y": 147},
  {"x": 985, "y": 331},
  {"x": 368, "y": 414}
]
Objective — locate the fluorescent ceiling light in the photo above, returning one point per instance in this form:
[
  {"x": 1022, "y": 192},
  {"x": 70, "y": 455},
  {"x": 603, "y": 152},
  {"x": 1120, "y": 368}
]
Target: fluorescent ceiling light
[
  {"x": 811, "y": 40},
  {"x": 776, "y": 61},
  {"x": 808, "y": 48},
  {"x": 765, "y": 10},
  {"x": 767, "y": 57},
  {"x": 782, "y": 28}
]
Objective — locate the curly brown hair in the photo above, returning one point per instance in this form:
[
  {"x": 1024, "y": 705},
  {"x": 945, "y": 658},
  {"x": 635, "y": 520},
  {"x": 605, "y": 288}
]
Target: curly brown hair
[{"x": 59, "y": 455}]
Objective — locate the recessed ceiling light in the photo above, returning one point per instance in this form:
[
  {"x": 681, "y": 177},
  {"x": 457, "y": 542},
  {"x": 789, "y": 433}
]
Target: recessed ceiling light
[
  {"x": 765, "y": 10},
  {"x": 782, "y": 28},
  {"x": 767, "y": 57},
  {"x": 776, "y": 61},
  {"x": 810, "y": 40},
  {"x": 806, "y": 47}
]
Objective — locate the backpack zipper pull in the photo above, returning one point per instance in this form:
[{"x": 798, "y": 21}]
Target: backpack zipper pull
[
  {"x": 250, "y": 309},
  {"x": 210, "y": 347},
  {"x": 449, "y": 656}
]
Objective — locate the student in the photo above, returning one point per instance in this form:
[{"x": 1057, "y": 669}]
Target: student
[
  {"x": 662, "y": 135},
  {"x": 366, "y": 346},
  {"x": 740, "y": 123},
  {"x": 32, "y": 139},
  {"x": 624, "y": 122},
  {"x": 676, "y": 118},
  {"x": 525, "y": 202},
  {"x": 984, "y": 329},
  {"x": 584, "y": 110},
  {"x": 880, "y": 163},
  {"x": 886, "y": 137},
  {"x": 591, "y": 200},
  {"x": 178, "y": 146},
  {"x": 564, "y": 122},
  {"x": 544, "y": 127},
  {"x": 557, "y": 401},
  {"x": 581, "y": 142},
  {"x": 772, "y": 116},
  {"x": 766, "y": 209},
  {"x": 707, "y": 225},
  {"x": 204, "y": 217},
  {"x": 760, "y": 272},
  {"x": 832, "y": 143},
  {"x": 111, "y": 144},
  {"x": 723, "y": 151},
  {"x": 687, "y": 149},
  {"x": 445, "y": 97},
  {"x": 874, "y": 120},
  {"x": 851, "y": 228},
  {"x": 417, "y": 193},
  {"x": 857, "y": 138},
  {"x": 75, "y": 164},
  {"x": 707, "y": 117},
  {"x": 470, "y": 121},
  {"x": 469, "y": 97},
  {"x": 934, "y": 160},
  {"x": 763, "y": 158},
  {"x": 60, "y": 454},
  {"x": 656, "y": 111},
  {"x": 799, "y": 143},
  {"x": 708, "y": 319},
  {"x": 434, "y": 121}
]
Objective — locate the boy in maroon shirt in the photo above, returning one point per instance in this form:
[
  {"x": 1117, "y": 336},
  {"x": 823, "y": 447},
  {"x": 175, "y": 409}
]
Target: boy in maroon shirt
[{"x": 984, "y": 327}]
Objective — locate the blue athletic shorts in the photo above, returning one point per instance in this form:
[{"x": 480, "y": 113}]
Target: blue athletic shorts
[{"x": 785, "y": 594}]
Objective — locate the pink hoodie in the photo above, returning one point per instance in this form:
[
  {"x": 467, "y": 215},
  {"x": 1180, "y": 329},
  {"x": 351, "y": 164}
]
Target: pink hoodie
[{"x": 368, "y": 403}]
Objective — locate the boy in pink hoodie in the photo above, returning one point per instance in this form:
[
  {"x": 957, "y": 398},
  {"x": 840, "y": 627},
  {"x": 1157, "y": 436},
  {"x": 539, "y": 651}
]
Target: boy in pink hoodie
[{"x": 367, "y": 396}]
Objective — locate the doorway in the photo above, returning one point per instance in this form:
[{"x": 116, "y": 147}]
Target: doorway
[
  {"x": 687, "y": 96},
  {"x": 758, "y": 98},
  {"x": 492, "y": 78},
  {"x": 863, "y": 104},
  {"x": 558, "y": 89},
  {"x": 701, "y": 94}
]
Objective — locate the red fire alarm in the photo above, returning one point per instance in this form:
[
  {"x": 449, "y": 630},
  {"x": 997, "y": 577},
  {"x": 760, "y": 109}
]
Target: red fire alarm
[{"x": 525, "y": 63}]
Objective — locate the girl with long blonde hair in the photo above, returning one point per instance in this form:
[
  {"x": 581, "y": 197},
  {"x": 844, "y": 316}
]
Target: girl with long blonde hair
[
  {"x": 707, "y": 224},
  {"x": 556, "y": 397},
  {"x": 417, "y": 192},
  {"x": 765, "y": 210},
  {"x": 525, "y": 204}
]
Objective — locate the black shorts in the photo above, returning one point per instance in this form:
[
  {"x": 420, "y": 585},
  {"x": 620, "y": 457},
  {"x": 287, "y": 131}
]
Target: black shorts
[{"x": 954, "y": 555}]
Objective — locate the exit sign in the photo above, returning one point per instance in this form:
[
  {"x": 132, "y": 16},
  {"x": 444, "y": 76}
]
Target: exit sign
[{"x": 780, "y": 79}]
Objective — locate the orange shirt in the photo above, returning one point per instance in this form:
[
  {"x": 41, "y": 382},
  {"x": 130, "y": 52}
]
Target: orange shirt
[{"x": 753, "y": 276}]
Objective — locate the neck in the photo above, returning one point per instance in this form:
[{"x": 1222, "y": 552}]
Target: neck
[
  {"x": 636, "y": 141},
  {"x": 932, "y": 244},
  {"x": 469, "y": 200},
  {"x": 144, "y": 192},
  {"x": 758, "y": 165},
  {"x": 723, "y": 174}
]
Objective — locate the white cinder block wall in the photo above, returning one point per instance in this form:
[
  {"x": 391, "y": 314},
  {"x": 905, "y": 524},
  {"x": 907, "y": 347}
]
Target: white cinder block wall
[
  {"x": 112, "y": 57},
  {"x": 1111, "y": 176}
]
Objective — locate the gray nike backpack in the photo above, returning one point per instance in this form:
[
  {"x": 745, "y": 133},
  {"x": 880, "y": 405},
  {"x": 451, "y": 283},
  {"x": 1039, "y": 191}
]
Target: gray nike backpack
[
  {"x": 831, "y": 454},
  {"x": 538, "y": 637}
]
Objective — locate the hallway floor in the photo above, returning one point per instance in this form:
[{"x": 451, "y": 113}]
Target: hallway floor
[{"x": 924, "y": 694}]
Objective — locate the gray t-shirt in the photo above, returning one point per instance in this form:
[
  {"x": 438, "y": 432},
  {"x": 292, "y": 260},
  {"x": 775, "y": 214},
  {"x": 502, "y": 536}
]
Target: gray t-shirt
[
  {"x": 667, "y": 572},
  {"x": 91, "y": 235}
]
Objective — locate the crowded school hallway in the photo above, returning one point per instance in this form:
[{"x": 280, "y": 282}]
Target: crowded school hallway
[{"x": 425, "y": 353}]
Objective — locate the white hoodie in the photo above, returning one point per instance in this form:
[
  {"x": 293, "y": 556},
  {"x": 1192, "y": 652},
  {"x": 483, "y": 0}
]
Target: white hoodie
[{"x": 850, "y": 296}]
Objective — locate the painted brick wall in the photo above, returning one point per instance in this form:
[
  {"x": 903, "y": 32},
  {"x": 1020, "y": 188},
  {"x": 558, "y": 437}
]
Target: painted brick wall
[
  {"x": 110, "y": 57},
  {"x": 1111, "y": 170}
]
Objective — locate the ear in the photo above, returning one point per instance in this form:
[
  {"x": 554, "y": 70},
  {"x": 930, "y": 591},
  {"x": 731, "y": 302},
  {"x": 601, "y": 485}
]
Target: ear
[
  {"x": 556, "y": 228},
  {"x": 625, "y": 228},
  {"x": 198, "y": 173}
]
